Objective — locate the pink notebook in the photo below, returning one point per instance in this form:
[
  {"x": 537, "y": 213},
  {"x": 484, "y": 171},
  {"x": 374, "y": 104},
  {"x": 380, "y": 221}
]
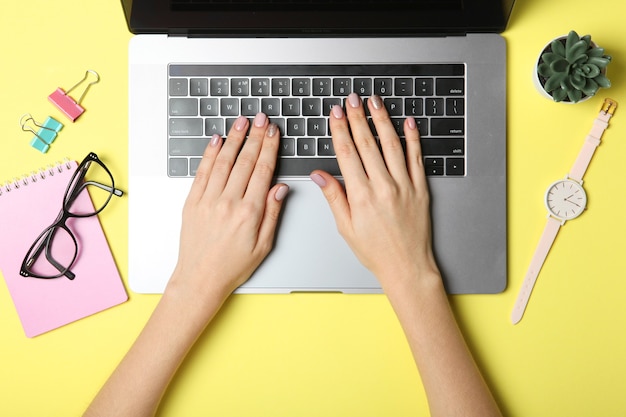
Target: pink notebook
[{"x": 27, "y": 207}]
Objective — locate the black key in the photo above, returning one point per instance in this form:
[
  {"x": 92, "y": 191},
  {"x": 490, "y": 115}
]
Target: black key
[
  {"x": 183, "y": 107},
  {"x": 249, "y": 106},
  {"x": 229, "y": 107},
  {"x": 213, "y": 126},
  {"x": 301, "y": 87},
  {"x": 199, "y": 87},
  {"x": 363, "y": 86},
  {"x": 304, "y": 166},
  {"x": 178, "y": 167},
  {"x": 424, "y": 87},
  {"x": 295, "y": 126},
  {"x": 187, "y": 146},
  {"x": 443, "y": 146},
  {"x": 328, "y": 104},
  {"x": 270, "y": 106},
  {"x": 311, "y": 107},
  {"x": 322, "y": 87},
  {"x": 209, "y": 107},
  {"x": 287, "y": 147},
  {"x": 455, "y": 166},
  {"x": 178, "y": 87},
  {"x": 450, "y": 87},
  {"x": 281, "y": 87},
  {"x": 433, "y": 107},
  {"x": 447, "y": 126},
  {"x": 219, "y": 87},
  {"x": 185, "y": 127},
  {"x": 316, "y": 126},
  {"x": 306, "y": 147},
  {"x": 413, "y": 106},
  {"x": 291, "y": 107},
  {"x": 325, "y": 147},
  {"x": 394, "y": 106},
  {"x": 455, "y": 106},
  {"x": 433, "y": 166},
  {"x": 403, "y": 87},
  {"x": 383, "y": 86},
  {"x": 342, "y": 86},
  {"x": 240, "y": 87},
  {"x": 260, "y": 87}
]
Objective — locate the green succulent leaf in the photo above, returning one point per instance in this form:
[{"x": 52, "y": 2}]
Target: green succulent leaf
[
  {"x": 602, "y": 81},
  {"x": 554, "y": 82},
  {"x": 578, "y": 48},
  {"x": 572, "y": 38},
  {"x": 544, "y": 70},
  {"x": 560, "y": 65},
  {"x": 587, "y": 39},
  {"x": 578, "y": 81},
  {"x": 596, "y": 52},
  {"x": 550, "y": 57},
  {"x": 580, "y": 59},
  {"x": 558, "y": 48},
  {"x": 574, "y": 95},
  {"x": 559, "y": 95},
  {"x": 601, "y": 62},
  {"x": 591, "y": 87},
  {"x": 590, "y": 70}
]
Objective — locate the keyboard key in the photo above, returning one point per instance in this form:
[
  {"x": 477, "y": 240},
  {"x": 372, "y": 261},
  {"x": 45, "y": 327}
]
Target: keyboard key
[
  {"x": 281, "y": 87},
  {"x": 394, "y": 106},
  {"x": 287, "y": 147},
  {"x": 260, "y": 86},
  {"x": 316, "y": 126},
  {"x": 183, "y": 106},
  {"x": 363, "y": 86},
  {"x": 198, "y": 87},
  {"x": 383, "y": 86},
  {"x": 433, "y": 166},
  {"x": 322, "y": 87},
  {"x": 325, "y": 147},
  {"x": 187, "y": 146},
  {"x": 342, "y": 86},
  {"x": 185, "y": 127},
  {"x": 249, "y": 106},
  {"x": 450, "y": 86},
  {"x": 328, "y": 104},
  {"x": 179, "y": 87},
  {"x": 403, "y": 87},
  {"x": 193, "y": 166},
  {"x": 209, "y": 107},
  {"x": 311, "y": 107},
  {"x": 443, "y": 146},
  {"x": 214, "y": 126},
  {"x": 455, "y": 106},
  {"x": 424, "y": 87},
  {"x": 413, "y": 106},
  {"x": 306, "y": 147},
  {"x": 229, "y": 107},
  {"x": 295, "y": 127},
  {"x": 178, "y": 167},
  {"x": 240, "y": 87},
  {"x": 455, "y": 166},
  {"x": 291, "y": 107},
  {"x": 270, "y": 106},
  {"x": 433, "y": 106},
  {"x": 446, "y": 126},
  {"x": 301, "y": 87},
  {"x": 219, "y": 87}
]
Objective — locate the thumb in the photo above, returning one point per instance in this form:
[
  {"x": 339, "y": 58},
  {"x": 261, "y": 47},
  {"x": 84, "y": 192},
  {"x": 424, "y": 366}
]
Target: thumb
[{"x": 335, "y": 196}]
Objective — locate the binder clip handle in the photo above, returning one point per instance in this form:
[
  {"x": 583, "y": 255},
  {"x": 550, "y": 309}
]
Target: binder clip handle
[
  {"x": 97, "y": 79},
  {"x": 45, "y": 133}
]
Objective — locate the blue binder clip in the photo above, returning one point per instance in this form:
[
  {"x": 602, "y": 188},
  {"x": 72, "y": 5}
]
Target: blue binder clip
[{"x": 44, "y": 133}]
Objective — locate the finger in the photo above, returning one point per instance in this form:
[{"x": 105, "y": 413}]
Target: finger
[
  {"x": 336, "y": 197},
  {"x": 347, "y": 155},
  {"x": 261, "y": 178},
  {"x": 247, "y": 158},
  {"x": 414, "y": 161},
  {"x": 225, "y": 160},
  {"x": 273, "y": 207},
  {"x": 363, "y": 138},
  {"x": 389, "y": 141},
  {"x": 205, "y": 167}
]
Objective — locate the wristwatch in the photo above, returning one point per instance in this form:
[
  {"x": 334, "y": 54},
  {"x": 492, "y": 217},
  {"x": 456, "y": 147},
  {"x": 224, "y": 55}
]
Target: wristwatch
[{"x": 565, "y": 200}]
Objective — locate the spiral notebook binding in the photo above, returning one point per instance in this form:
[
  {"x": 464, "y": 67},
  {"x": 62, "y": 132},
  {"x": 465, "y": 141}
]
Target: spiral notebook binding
[{"x": 25, "y": 180}]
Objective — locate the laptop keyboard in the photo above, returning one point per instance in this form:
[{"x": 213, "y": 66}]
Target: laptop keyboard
[{"x": 207, "y": 99}]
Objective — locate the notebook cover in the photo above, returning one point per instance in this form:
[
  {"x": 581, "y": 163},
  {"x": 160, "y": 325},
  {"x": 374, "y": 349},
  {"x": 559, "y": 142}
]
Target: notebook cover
[{"x": 27, "y": 207}]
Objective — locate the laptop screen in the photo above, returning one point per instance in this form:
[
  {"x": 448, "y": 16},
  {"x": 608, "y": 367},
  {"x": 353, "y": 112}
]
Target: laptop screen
[{"x": 316, "y": 17}]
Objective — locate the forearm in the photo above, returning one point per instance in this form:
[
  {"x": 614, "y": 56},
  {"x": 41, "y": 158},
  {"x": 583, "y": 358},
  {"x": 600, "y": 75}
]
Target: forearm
[
  {"x": 137, "y": 385},
  {"x": 451, "y": 379}
]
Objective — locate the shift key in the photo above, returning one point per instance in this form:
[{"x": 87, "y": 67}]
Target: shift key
[{"x": 186, "y": 127}]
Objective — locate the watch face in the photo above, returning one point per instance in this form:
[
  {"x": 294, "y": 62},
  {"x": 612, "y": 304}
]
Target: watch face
[{"x": 566, "y": 199}]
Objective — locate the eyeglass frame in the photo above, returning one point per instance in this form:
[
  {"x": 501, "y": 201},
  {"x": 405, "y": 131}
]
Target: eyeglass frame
[{"x": 75, "y": 186}]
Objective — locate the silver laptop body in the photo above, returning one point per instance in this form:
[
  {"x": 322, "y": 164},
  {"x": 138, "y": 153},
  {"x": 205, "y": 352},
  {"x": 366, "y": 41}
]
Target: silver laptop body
[{"x": 468, "y": 211}]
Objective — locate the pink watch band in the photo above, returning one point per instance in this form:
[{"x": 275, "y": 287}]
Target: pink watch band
[
  {"x": 547, "y": 238},
  {"x": 590, "y": 145}
]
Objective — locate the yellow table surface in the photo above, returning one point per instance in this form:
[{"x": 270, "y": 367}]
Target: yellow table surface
[{"x": 337, "y": 355}]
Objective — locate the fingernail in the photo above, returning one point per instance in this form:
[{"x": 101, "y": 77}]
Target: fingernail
[
  {"x": 318, "y": 179},
  {"x": 376, "y": 102},
  {"x": 241, "y": 122},
  {"x": 281, "y": 193},
  {"x": 354, "y": 100},
  {"x": 337, "y": 111},
  {"x": 411, "y": 122},
  {"x": 215, "y": 139},
  {"x": 259, "y": 120},
  {"x": 272, "y": 130}
]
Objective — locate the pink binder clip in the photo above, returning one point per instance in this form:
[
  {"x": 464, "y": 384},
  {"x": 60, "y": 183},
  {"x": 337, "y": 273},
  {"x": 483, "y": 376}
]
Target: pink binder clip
[{"x": 70, "y": 107}]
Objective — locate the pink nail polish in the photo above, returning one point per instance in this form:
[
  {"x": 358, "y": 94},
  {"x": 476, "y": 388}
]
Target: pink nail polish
[
  {"x": 354, "y": 100},
  {"x": 411, "y": 122},
  {"x": 337, "y": 112},
  {"x": 318, "y": 179},
  {"x": 377, "y": 102},
  {"x": 215, "y": 139},
  {"x": 281, "y": 193},
  {"x": 241, "y": 123},
  {"x": 259, "y": 120}
]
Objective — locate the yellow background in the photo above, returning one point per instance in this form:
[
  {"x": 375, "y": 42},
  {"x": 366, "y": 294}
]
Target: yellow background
[{"x": 337, "y": 355}]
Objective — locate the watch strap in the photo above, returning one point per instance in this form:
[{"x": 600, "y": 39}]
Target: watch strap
[
  {"x": 593, "y": 140},
  {"x": 545, "y": 243}
]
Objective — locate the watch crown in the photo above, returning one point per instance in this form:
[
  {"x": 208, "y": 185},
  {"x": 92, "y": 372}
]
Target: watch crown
[{"x": 609, "y": 106}]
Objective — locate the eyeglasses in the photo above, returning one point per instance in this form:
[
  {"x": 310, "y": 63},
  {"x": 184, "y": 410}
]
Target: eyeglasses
[{"x": 55, "y": 250}]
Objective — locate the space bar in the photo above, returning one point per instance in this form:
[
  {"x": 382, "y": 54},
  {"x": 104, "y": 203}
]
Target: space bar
[{"x": 290, "y": 167}]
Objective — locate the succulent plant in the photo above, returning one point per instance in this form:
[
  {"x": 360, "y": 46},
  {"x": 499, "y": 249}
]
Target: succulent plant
[{"x": 573, "y": 68}]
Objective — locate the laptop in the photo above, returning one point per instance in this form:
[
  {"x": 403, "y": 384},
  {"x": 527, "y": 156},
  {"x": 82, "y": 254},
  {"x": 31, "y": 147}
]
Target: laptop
[{"x": 195, "y": 65}]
